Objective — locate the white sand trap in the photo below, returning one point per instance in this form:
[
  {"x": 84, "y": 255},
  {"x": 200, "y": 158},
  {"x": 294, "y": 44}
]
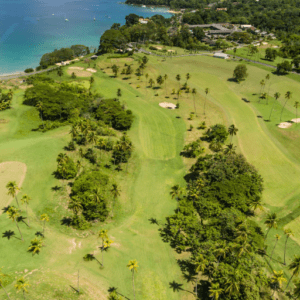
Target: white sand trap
[
  {"x": 76, "y": 68},
  {"x": 171, "y": 50},
  {"x": 296, "y": 120},
  {"x": 285, "y": 125},
  {"x": 91, "y": 70},
  {"x": 10, "y": 171},
  {"x": 167, "y": 105}
]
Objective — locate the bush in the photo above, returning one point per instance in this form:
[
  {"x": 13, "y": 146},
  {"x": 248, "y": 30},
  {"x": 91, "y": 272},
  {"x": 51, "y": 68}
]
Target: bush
[
  {"x": 284, "y": 68},
  {"x": 91, "y": 155},
  {"x": 39, "y": 68},
  {"x": 80, "y": 223},
  {"x": 29, "y": 70},
  {"x": 193, "y": 149},
  {"x": 66, "y": 170}
]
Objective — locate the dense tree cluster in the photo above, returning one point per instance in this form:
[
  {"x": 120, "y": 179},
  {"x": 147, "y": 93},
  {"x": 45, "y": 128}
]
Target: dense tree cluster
[
  {"x": 5, "y": 99},
  {"x": 63, "y": 54},
  {"x": 112, "y": 113},
  {"x": 211, "y": 223}
]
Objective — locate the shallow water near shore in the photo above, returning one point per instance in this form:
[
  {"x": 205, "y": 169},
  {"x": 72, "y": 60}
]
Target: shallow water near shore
[{"x": 30, "y": 28}]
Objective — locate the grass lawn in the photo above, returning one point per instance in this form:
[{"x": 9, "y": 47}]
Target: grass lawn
[
  {"x": 260, "y": 56},
  {"x": 158, "y": 136}
]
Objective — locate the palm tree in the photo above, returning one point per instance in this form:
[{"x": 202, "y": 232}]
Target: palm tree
[
  {"x": 288, "y": 232},
  {"x": 165, "y": 78},
  {"x": 75, "y": 205},
  {"x": 39, "y": 106},
  {"x": 232, "y": 130},
  {"x": 215, "y": 145},
  {"x": 187, "y": 76},
  {"x": 176, "y": 191},
  {"x": 267, "y": 79},
  {"x": 178, "y": 95},
  {"x": 119, "y": 93},
  {"x": 36, "y": 246},
  {"x": 277, "y": 279},
  {"x": 271, "y": 222},
  {"x": 296, "y": 105},
  {"x": 232, "y": 284},
  {"x": 13, "y": 189},
  {"x": 25, "y": 200},
  {"x": 2, "y": 275},
  {"x": 22, "y": 285},
  {"x": 287, "y": 96},
  {"x": 295, "y": 267},
  {"x": 92, "y": 138},
  {"x": 194, "y": 92},
  {"x": 160, "y": 80},
  {"x": 215, "y": 291},
  {"x": 230, "y": 149},
  {"x": 262, "y": 84},
  {"x": 178, "y": 78},
  {"x": 277, "y": 237},
  {"x": 256, "y": 203},
  {"x": 74, "y": 131},
  {"x": 44, "y": 218},
  {"x": 133, "y": 266},
  {"x": 151, "y": 82},
  {"x": 206, "y": 92},
  {"x": 13, "y": 214},
  {"x": 103, "y": 236},
  {"x": 115, "y": 192},
  {"x": 296, "y": 292},
  {"x": 97, "y": 194},
  {"x": 276, "y": 96}
]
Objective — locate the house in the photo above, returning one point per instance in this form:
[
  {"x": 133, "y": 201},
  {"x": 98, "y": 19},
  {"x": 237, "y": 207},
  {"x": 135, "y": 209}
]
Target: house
[
  {"x": 94, "y": 57},
  {"x": 222, "y": 8},
  {"x": 263, "y": 33},
  {"x": 221, "y": 55},
  {"x": 245, "y": 26},
  {"x": 235, "y": 3},
  {"x": 143, "y": 21}
]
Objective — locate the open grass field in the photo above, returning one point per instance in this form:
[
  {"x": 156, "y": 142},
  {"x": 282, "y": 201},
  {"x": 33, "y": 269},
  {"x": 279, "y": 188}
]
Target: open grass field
[
  {"x": 158, "y": 136},
  {"x": 260, "y": 55}
]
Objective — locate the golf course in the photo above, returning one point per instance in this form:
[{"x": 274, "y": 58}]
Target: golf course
[{"x": 158, "y": 135}]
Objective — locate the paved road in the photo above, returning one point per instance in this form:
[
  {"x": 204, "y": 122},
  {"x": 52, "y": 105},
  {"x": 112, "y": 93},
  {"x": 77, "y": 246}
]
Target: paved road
[{"x": 23, "y": 74}]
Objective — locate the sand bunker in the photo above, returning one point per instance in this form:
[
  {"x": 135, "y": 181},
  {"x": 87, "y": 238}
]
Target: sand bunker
[
  {"x": 167, "y": 105},
  {"x": 76, "y": 68},
  {"x": 79, "y": 73},
  {"x": 296, "y": 120},
  {"x": 285, "y": 125},
  {"x": 10, "y": 171},
  {"x": 91, "y": 70}
]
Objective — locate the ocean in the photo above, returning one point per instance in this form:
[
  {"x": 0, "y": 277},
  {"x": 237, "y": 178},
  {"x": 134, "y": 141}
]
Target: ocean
[{"x": 30, "y": 28}]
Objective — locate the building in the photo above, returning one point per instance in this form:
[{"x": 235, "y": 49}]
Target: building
[
  {"x": 221, "y": 55},
  {"x": 245, "y": 26},
  {"x": 143, "y": 21},
  {"x": 222, "y": 8},
  {"x": 94, "y": 57}
]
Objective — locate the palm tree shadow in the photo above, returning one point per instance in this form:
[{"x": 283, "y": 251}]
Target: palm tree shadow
[
  {"x": 153, "y": 221},
  {"x": 66, "y": 221},
  {"x": 38, "y": 233},
  {"x": 74, "y": 289},
  {"x": 114, "y": 289},
  {"x": 9, "y": 234},
  {"x": 56, "y": 188},
  {"x": 178, "y": 287}
]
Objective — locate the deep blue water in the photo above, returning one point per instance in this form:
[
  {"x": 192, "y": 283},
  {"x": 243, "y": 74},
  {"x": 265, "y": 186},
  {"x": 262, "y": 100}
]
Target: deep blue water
[{"x": 30, "y": 28}]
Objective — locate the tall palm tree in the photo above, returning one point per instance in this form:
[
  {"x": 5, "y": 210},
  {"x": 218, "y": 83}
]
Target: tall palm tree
[
  {"x": 75, "y": 206},
  {"x": 178, "y": 78},
  {"x": 277, "y": 237},
  {"x": 2, "y": 276},
  {"x": 39, "y": 106},
  {"x": 256, "y": 204},
  {"x": 13, "y": 214},
  {"x": 276, "y": 96},
  {"x": 194, "y": 92},
  {"x": 36, "y": 246},
  {"x": 133, "y": 266},
  {"x": 151, "y": 82},
  {"x": 296, "y": 291},
  {"x": 160, "y": 80},
  {"x": 271, "y": 222},
  {"x": 230, "y": 149},
  {"x": 92, "y": 138},
  {"x": 296, "y": 105},
  {"x": 232, "y": 130},
  {"x": 21, "y": 285},
  {"x": 25, "y": 200},
  {"x": 165, "y": 78},
  {"x": 178, "y": 95},
  {"x": 176, "y": 192},
  {"x": 13, "y": 189},
  {"x": 288, "y": 232},
  {"x": 232, "y": 284},
  {"x": 262, "y": 85},
  {"x": 115, "y": 192},
  {"x": 97, "y": 194},
  {"x": 187, "y": 76},
  {"x": 206, "y": 92},
  {"x": 103, "y": 236},
  {"x": 215, "y": 291},
  {"x": 268, "y": 79},
  {"x": 287, "y": 96},
  {"x": 294, "y": 266},
  {"x": 44, "y": 218},
  {"x": 74, "y": 131},
  {"x": 277, "y": 279}
]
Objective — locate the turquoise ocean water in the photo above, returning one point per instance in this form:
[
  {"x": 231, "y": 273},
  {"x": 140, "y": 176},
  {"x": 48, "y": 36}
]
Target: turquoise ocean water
[{"x": 30, "y": 28}]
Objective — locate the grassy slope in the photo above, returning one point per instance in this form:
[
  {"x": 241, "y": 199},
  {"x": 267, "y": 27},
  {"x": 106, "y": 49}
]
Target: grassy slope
[{"x": 158, "y": 137}]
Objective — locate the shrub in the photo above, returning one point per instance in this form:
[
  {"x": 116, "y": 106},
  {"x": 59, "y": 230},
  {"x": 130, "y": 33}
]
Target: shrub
[
  {"x": 216, "y": 132},
  {"x": 66, "y": 169},
  {"x": 193, "y": 149},
  {"x": 29, "y": 70},
  {"x": 80, "y": 223}
]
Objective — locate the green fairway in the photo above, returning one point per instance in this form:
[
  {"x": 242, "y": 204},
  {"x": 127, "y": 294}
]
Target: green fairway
[{"x": 158, "y": 136}]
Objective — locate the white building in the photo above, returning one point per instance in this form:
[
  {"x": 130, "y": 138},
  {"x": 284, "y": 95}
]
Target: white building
[{"x": 221, "y": 55}]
